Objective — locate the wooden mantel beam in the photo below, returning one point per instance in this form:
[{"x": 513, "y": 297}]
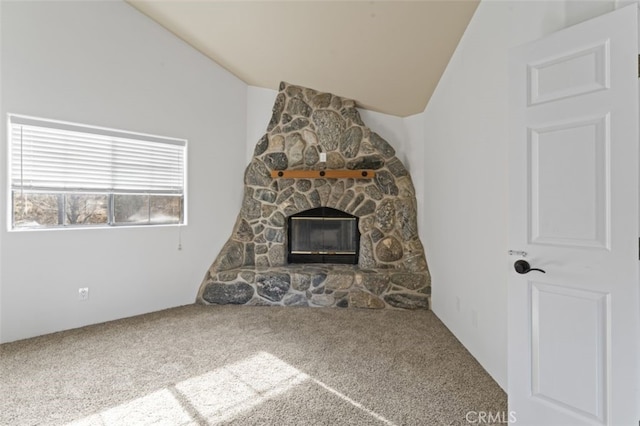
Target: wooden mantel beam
[{"x": 326, "y": 174}]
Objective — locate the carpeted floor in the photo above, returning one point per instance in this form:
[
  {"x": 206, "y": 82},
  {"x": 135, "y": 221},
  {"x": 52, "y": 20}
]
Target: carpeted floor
[{"x": 204, "y": 365}]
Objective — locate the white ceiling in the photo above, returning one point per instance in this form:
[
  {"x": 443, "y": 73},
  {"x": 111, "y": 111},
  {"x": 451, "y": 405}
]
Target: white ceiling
[{"x": 386, "y": 55}]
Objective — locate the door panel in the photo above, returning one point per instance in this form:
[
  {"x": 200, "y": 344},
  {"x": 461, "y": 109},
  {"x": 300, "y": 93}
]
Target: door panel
[
  {"x": 570, "y": 74},
  {"x": 564, "y": 347},
  {"x": 583, "y": 190}
]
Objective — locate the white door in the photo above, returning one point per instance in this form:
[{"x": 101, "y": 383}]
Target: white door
[{"x": 574, "y": 330}]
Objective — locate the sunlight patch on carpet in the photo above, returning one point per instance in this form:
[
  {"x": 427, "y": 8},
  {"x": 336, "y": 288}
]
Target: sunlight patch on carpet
[
  {"x": 222, "y": 394},
  {"x": 216, "y": 396},
  {"x": 157, "y": 408}
]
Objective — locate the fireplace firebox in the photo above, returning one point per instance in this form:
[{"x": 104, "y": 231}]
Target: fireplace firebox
[{"x": 323, "y": 235}]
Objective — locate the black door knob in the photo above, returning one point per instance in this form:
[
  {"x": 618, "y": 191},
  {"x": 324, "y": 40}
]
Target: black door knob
[{"x": 523, "y": 267}]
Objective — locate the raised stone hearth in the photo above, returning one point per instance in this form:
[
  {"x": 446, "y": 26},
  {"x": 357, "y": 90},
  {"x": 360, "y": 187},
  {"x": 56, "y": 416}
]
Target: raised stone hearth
[{"x": 252, "y": 266}]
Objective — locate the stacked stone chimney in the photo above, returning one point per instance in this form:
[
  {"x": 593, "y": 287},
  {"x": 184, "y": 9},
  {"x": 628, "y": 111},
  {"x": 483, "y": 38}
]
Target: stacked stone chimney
[{"x": 252, "y": 267}]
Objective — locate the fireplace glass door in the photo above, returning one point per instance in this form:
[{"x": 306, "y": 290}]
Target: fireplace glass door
[{"x": 323, "y": 235}]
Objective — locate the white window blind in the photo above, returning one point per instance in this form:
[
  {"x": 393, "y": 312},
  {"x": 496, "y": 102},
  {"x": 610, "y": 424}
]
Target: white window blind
[{"x": 56, "y": 156}]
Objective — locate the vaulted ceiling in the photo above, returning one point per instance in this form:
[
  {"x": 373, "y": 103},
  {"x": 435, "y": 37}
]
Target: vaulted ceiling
[{"x": 386, "y": 55}]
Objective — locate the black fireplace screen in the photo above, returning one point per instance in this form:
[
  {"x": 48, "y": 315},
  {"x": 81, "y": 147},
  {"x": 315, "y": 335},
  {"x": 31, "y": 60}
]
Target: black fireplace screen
[{"x": 323, "y": 235}]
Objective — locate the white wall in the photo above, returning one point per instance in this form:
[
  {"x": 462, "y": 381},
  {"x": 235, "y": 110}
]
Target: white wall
[
  {"x": 259, "y": 110},
  {"x": 414, "y": 148},
  {"x": 466, "y": 179},
  {"x": 104, "y": 63}
]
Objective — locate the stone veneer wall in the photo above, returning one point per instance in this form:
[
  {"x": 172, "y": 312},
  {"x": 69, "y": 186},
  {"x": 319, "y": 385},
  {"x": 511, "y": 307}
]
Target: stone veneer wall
[{"x": 252, "y": 268}]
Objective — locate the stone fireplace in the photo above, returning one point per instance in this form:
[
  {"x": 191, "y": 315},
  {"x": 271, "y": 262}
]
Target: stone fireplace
[{"x": 328, "y": 216}]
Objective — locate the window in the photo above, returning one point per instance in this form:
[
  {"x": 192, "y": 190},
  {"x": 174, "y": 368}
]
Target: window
[{"x": 71, "y": 175}]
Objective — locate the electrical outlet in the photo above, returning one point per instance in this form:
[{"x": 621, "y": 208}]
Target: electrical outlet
[
  {"x": 323, "y": 157},
  {"x": 83, "y": 293}
]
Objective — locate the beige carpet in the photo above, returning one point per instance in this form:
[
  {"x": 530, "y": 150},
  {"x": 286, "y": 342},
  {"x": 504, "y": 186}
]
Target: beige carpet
[{"x": 202, "y": 365}]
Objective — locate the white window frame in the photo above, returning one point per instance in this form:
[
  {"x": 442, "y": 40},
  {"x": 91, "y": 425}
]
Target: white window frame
[{"x": 136, "y": 175}]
